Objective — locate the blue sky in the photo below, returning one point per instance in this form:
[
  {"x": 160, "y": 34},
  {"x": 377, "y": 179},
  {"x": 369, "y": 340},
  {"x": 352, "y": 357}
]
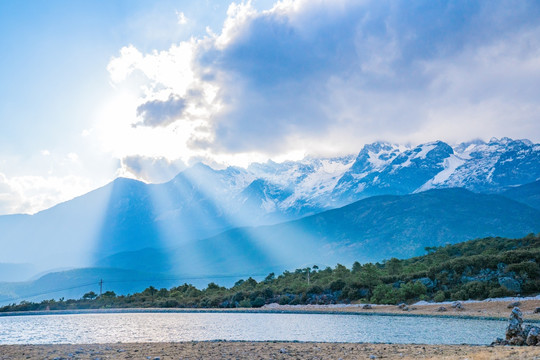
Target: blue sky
[{"x": 91, "y": 90}]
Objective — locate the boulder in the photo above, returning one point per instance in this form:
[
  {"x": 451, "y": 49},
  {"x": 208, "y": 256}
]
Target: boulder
[
  {"x": 457, "y": 305},
  {"x": 533, "y": 336},
  {"x": 367, "y": 307},
  {"x": 442, "y": 309},
  {"x": 513, "y": 304},
  {"x": 514, "y": 331},
  {"x": 536, "y": 310}
]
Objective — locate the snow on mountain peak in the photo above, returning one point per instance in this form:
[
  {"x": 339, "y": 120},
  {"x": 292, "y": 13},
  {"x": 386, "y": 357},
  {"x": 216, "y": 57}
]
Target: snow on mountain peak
[{"x": 297, "y": 188}]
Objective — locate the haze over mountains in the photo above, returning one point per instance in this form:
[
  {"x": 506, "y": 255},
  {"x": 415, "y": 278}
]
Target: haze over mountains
[{"x": 190, "y": 225}]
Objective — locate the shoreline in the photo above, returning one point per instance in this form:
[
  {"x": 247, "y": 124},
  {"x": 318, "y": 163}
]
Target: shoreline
[
  {"x": 242, "y": 311},
  {"x": 265, "y": 350},
  {"x": 485, "y": 310}
]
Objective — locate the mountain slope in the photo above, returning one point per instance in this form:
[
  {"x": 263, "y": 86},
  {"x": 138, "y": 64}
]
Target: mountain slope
[
  {"x": 74, "y": 283},
  {"x": 128, "y": 215},
  {"x": 527, "y": 194},
  {"x": 368, "y": 230}
]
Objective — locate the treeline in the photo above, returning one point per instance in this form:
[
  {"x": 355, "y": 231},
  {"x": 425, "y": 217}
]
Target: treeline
[{"x": 477, "y": 269}]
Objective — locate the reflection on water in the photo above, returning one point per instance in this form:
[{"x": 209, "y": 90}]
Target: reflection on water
[{"x": 156, "y": 327}]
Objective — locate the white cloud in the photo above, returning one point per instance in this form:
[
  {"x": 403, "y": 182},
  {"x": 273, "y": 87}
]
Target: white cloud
[
  {"x": 182, "y": 19},
  {"x": 30, "y": 194},
  {"x": 73, "y": 157},
  {"x": 327, "y": 76}
]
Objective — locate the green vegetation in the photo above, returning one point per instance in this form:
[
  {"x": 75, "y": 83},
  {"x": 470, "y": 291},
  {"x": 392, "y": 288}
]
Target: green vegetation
[{"x": 477, "y": 269}]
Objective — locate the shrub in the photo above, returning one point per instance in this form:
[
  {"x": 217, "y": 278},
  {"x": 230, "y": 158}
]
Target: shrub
[
  {"x": 258, "y": 302},
  {"x": 412, "y": 290},
  {"x": 384, "y": 294},
  {"x": 337, "y": 285},
  {"x": 500, "y": 292},
  {"x": 244, "y": 303},
  {"x": 284, "y": 300},
  {"x": 439, "y": 296}
]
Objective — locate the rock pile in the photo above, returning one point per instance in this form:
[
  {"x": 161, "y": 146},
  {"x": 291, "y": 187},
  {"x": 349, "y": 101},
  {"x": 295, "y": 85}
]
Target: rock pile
[{"x": 517, "y": 334}]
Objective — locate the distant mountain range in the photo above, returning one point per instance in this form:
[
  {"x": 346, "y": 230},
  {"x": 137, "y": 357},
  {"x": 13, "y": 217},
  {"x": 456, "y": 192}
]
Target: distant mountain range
[
  {"x": 208, "y": 218},
  {"x": 371, "y": 229}
]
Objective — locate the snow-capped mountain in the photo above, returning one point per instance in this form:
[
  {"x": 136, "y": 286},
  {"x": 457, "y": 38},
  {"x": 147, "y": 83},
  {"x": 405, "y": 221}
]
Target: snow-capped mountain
[
  {"x": 201, "y": 202},
  {"x": 381, "y": 168}
]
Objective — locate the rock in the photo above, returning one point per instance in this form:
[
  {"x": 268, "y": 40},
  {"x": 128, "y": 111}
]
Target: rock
[
  {"x": 533, "y": 336},
  {"x": 441, "y": 309},
  {"x": 457, "y": 305},
  {"x": 510, "y": 283},
  {"x": 372, "y": 357},
  {"x": 283, "y": 351},
  {"x": 536, "y": 311},
  {"x": 367, "y": 307},
  {"x": 403, "y": 307},
  {"x": 517, "y": 341},
  {"x": 514, "y": 331},
  {"x": 500, "y": 342},
  {"x": 427, "y": 282},
  {"x": 513, "y": 304}
]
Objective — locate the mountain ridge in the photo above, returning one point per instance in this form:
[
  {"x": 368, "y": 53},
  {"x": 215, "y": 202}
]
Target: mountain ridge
[{"x": 201, "y": 202}]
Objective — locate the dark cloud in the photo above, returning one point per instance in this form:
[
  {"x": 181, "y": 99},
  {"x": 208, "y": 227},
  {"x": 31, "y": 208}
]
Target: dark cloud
[
  {"x": 161, "y": 113},
  {"x": 374, "y": 67}
]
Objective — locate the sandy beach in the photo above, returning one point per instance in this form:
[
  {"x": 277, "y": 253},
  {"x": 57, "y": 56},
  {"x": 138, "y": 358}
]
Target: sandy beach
[
  {"x": 493, "y": 308},
  {"x": 264, "y": 350}
]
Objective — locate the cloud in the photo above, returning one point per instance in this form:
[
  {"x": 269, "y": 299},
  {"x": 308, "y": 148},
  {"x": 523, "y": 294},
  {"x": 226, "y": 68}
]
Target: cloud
[
  {"x": 151, "y": 169},
  {"x": 182, "y": 19},
  {"x": 30, "y": 194},
  {"x": 161, "y": 113},
  {"x": 307, "y": 75}
]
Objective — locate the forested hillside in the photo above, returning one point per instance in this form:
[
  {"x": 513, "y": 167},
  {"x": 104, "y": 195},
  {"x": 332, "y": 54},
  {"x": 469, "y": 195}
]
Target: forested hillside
[{"x": 477, "y": 269}]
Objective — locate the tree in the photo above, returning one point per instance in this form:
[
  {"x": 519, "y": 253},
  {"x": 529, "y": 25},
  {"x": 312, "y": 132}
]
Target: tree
[
  {"x": 109, "y": 294},
  {"x": 370, "y": 276},
  {"x": 89, "y": 296},
  {"x": 270, "y": 277},
  {"x": 394, "y": 266}
]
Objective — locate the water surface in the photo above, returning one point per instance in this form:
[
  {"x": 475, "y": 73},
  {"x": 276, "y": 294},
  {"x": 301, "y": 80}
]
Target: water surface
[{"x": 173, "y": 327}]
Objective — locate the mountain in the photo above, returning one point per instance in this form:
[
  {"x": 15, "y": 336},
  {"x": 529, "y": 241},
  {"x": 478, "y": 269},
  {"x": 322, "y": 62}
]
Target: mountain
[
  {"x": 371, "y": 229},
  {"x": 76, "y": 282},
  {"x": 200, "y": 202},
  {"x": 527, "y": 194},
  {"x": 368, "y": 230}
]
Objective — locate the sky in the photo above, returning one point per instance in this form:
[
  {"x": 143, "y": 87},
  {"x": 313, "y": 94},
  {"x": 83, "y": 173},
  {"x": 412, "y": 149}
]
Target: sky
[{"x": 93, "y": 90}]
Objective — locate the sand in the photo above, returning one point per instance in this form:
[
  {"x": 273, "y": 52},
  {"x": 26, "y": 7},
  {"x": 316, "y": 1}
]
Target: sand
[
  {"x": 264, "y": 350},
  {"x": 482, "y": 309}
]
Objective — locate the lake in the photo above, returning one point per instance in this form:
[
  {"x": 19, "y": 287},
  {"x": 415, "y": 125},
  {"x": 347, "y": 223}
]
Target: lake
[{"x": 174, "y": 327}]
